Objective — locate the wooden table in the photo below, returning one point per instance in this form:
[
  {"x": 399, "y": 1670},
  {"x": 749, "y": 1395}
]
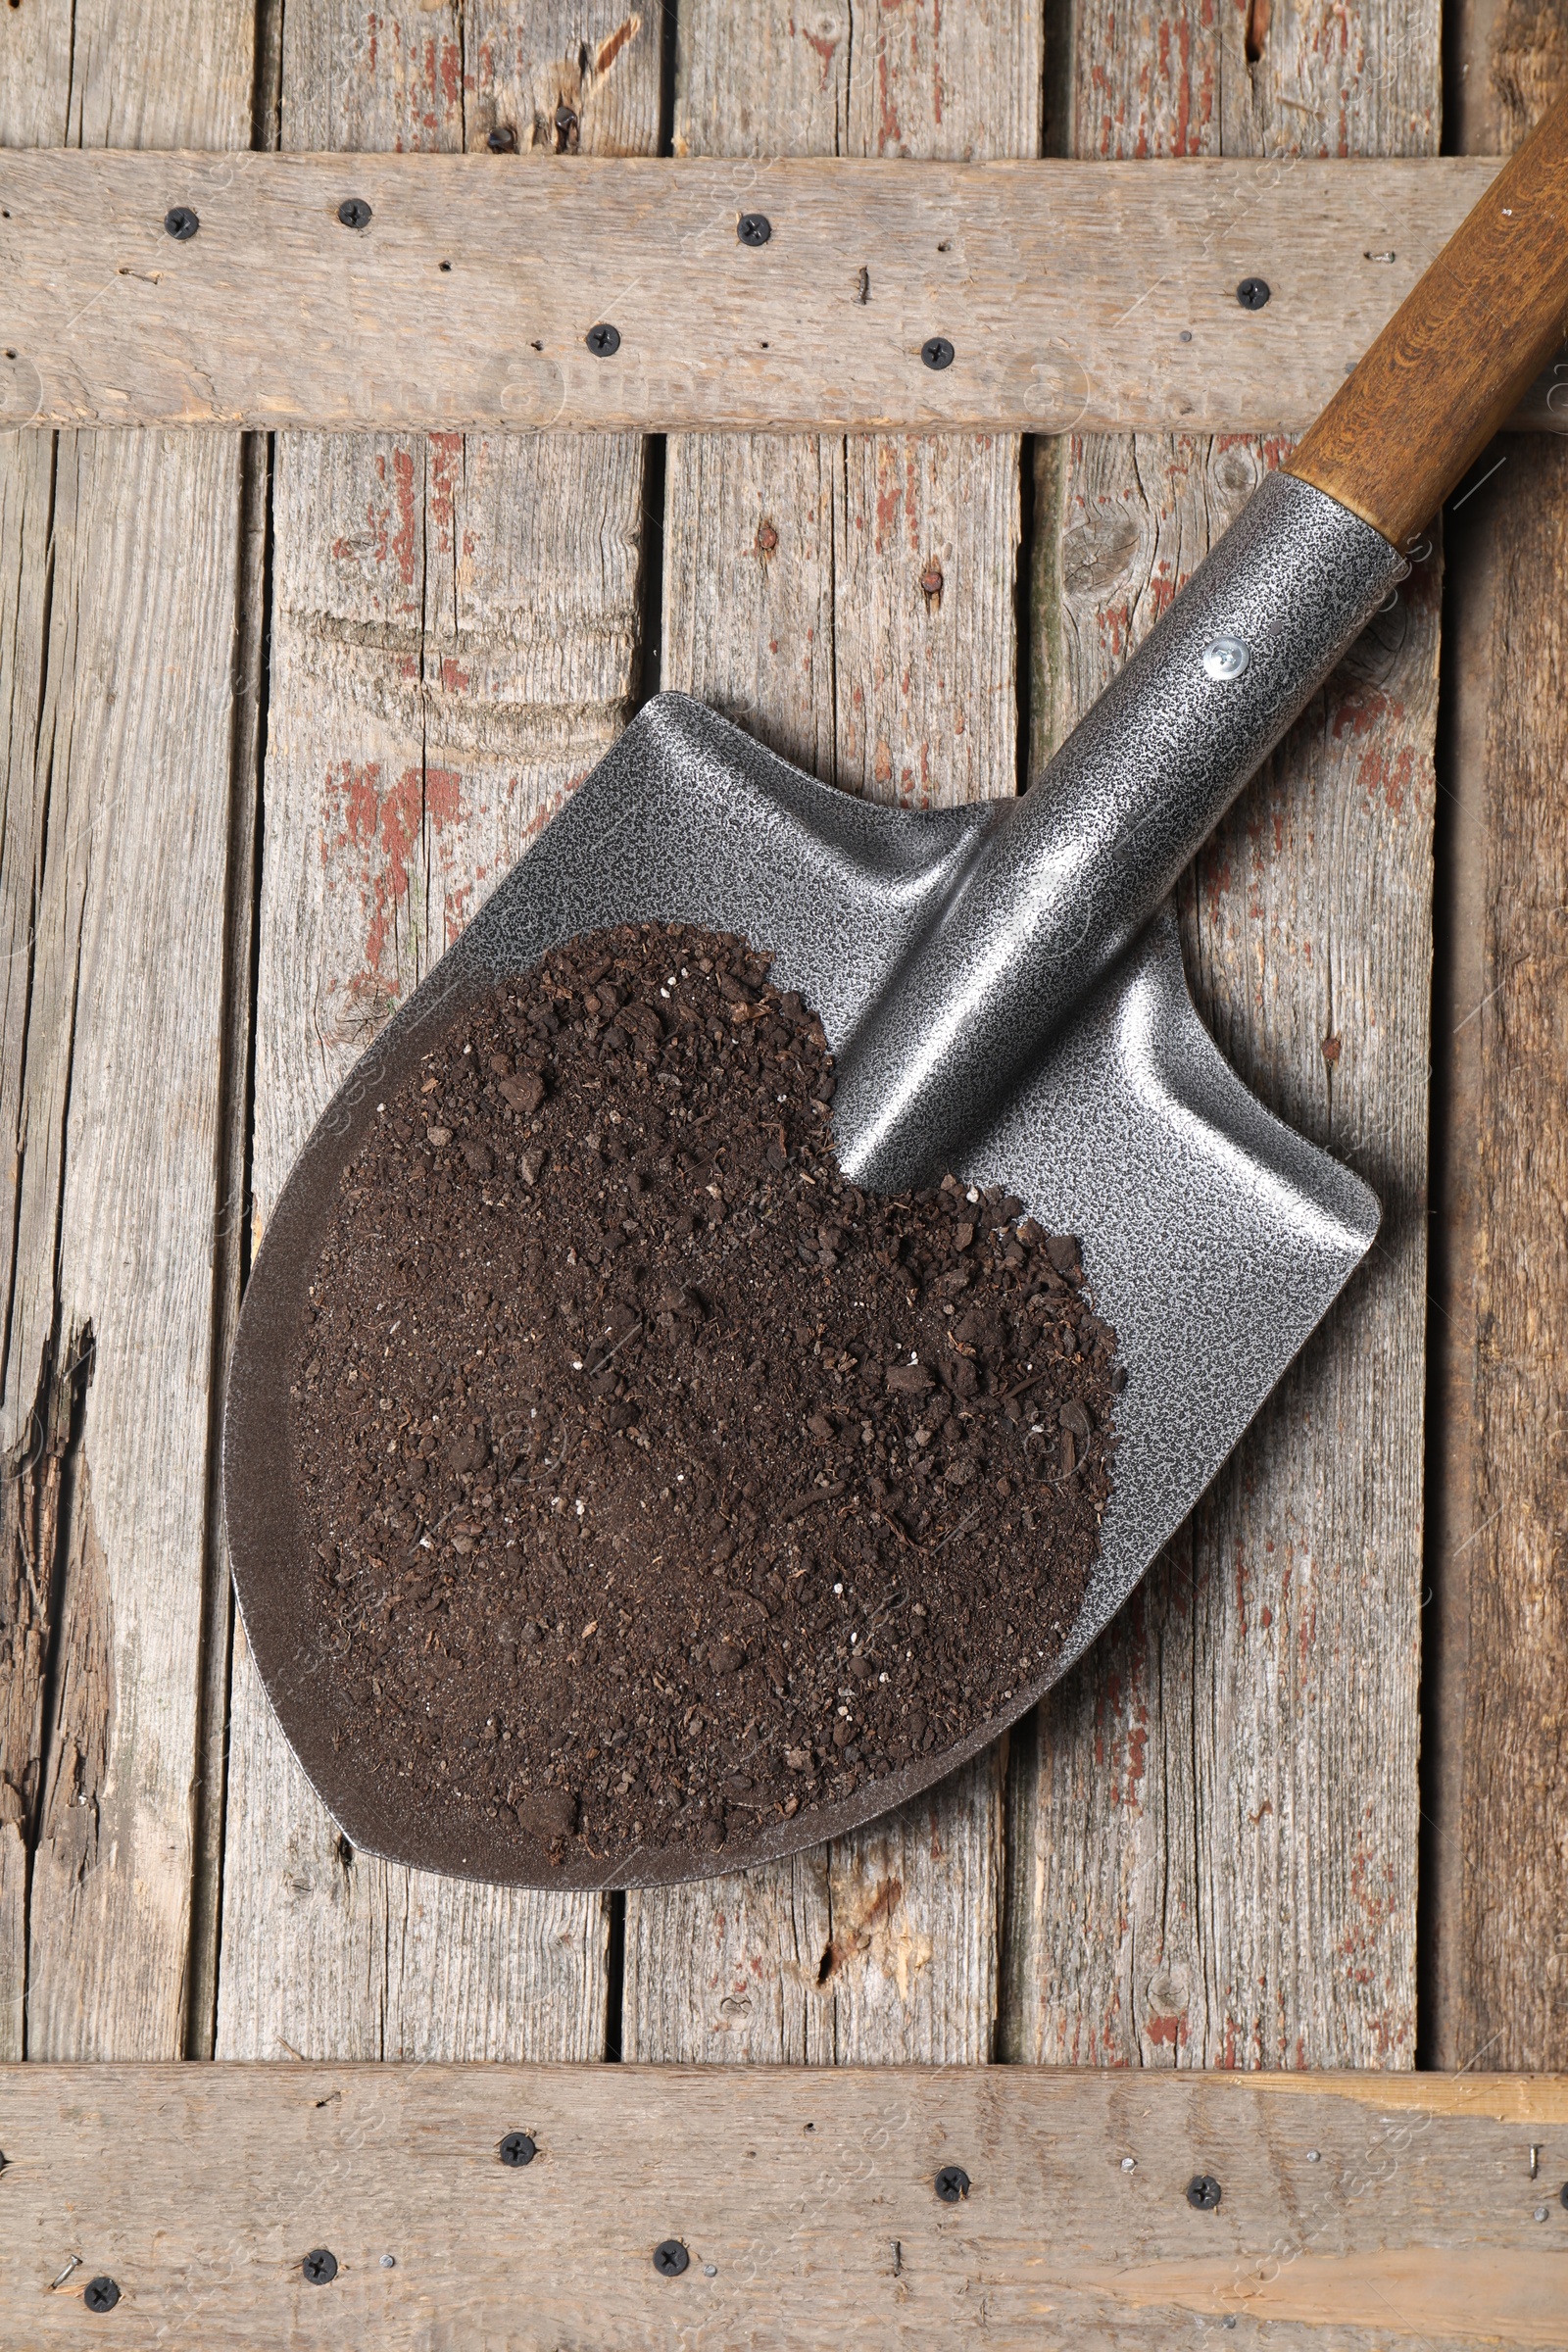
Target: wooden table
[{"x": 277, "y": 710}]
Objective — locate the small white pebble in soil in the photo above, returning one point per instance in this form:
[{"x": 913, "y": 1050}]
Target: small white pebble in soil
[{"x": 838, "y": 1587}]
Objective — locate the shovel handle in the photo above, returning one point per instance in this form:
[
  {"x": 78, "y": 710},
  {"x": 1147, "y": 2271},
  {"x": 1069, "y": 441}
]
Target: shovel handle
[{"x": 1458, "y": 353}]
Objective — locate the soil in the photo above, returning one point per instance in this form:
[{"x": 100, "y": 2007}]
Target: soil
[{"x": 659, "y": 1482}]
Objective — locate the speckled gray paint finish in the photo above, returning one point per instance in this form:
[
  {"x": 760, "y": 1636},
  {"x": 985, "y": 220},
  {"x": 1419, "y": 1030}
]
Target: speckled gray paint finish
[
  {"x": 1074, "y": 870},
  {"x": 1214, "y": 1238}
]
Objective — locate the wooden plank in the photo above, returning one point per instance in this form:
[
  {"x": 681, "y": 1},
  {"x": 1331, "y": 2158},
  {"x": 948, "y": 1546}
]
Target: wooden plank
[
  {"x": 1215, "y": 1848},
  {"x": 119, "y": 674},
  {"x": 1352, "y": 2216},
  {"x": 850, "y": 602},
  {"x": 1072, "y": 293},
  {"x": 1497, "y": 1740},
  {"x": 455, "y": 642}
]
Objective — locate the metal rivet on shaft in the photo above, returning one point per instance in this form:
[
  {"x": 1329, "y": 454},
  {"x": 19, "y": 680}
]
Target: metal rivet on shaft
[
  {"x": 1204, "y": 2191},
  {"x": 670, "y": 2258},
  {"x": 181, "y": 222},
  {"x": 952, "y": 2183},
  {"x": 937, "y": 351},
  {"x": 320, "y": 2266},
  {"x": 1226, "y": 657},
  {"x": 518, "y": 2148},
  {"x": 753, "y": 228},
  {"x": 602, "y": 340},
  {"x": 353, "y": 213},
  {"x": 100, "y": 2294},
  {"x": 1253, "y": 292}
]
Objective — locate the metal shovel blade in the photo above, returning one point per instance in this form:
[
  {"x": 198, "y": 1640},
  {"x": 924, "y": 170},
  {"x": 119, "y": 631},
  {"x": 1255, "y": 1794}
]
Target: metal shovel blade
[{"x": 1213, "y": 1237}]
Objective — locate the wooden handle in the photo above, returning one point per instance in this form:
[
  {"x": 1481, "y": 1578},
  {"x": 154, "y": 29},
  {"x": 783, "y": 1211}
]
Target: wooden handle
[{"x": 1458, "y": 352}]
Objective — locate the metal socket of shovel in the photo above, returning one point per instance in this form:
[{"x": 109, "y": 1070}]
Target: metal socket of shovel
[{"x": 1004, "y": 992}]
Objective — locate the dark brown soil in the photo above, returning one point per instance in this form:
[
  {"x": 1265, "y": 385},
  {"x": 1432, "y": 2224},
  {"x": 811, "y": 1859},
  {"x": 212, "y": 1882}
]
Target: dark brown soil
[{"x": 659, "y": 1482}]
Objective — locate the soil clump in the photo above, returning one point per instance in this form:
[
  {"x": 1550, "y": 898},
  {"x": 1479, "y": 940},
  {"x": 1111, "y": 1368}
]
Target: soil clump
[{"x": 659, "y": 1483}]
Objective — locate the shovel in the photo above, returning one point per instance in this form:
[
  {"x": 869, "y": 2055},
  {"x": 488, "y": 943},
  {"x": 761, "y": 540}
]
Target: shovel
[{"x": 1004, "y": 992}]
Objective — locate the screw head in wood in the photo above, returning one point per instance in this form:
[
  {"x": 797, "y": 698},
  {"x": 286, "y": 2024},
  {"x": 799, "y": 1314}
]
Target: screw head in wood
[
  {"x": 670, "y": 2258},
  {"x": 602, "y": 340},
  {"x": 502, "y": 140},
  {"x": 753, "y": 228},
  {"x": 952, "y": 2183},
  {"x": 100, "y": 2294},
  {"x": 353, "y": 213},
  {"x": 1203, "y": 2192},
  {"x": 181, "y": 222},
  {"x": 320, "y": 2266},
  {"x": 937, "y": 351},
  {"x": 518, "y": 2148},
  {"x": 1253, "y": 292},
  {"x": 1565, "y": 2194}
]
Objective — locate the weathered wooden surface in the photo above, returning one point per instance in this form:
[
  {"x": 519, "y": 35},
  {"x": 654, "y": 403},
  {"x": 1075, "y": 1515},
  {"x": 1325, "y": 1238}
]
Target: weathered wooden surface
[
  {"x": 850, "y": 602},
  {"x": 1214, "y": 1828},
  {"x": 454, "y": 644},
  {"x": 1496, "y": 1856},
  {"x": 118, "y": 671},
  {"x": 1073, "y": 294},
  {"x": 1351, "y": 2216},
  {"x": 1210, "y": 1849}
]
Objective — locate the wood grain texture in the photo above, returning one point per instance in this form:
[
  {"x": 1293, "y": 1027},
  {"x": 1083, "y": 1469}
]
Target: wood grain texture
[
  {"x": 805, "y": 2202},
  {"x": 1212, "y": 1858},
  {"x": 1426, "y": 399},
  {"x": 1073, "y": 292},
  {"x": 850, "y": 603},
  {"x": 34, "y": 1405},
  {"x": 453, "y": 645},
  {"x": 116, "y": 832},
  {"x": 1497, "y": 1740}
]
